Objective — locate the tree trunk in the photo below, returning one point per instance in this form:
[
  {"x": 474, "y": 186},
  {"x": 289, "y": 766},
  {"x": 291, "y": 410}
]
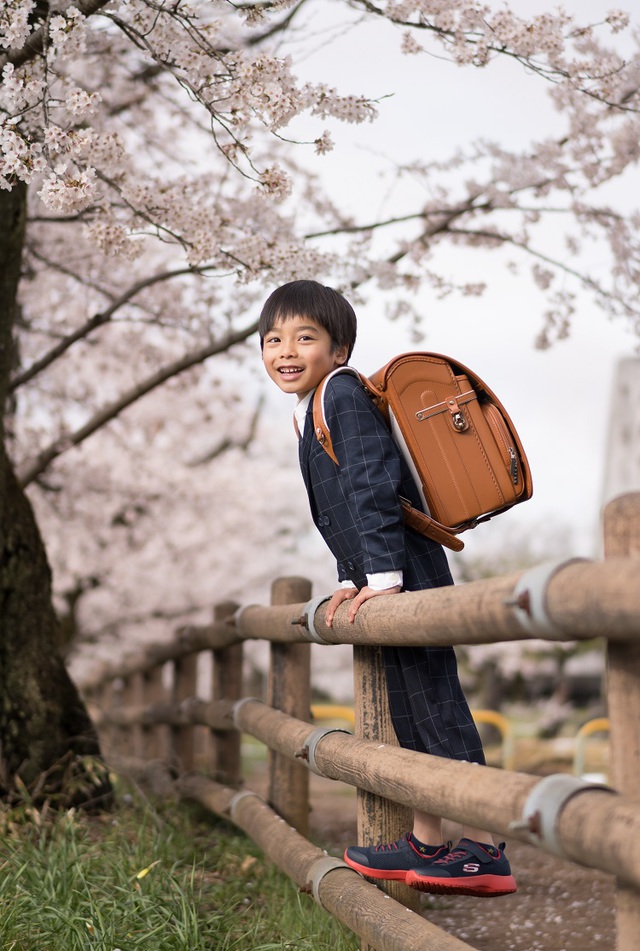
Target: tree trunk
[{"x": 47, "y": 740}]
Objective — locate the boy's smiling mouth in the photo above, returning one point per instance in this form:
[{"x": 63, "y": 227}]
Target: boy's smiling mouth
[{"x": 290, "y": 370}]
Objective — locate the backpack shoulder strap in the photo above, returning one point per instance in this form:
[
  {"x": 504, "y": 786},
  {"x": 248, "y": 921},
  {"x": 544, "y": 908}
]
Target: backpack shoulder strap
[{"x": 320, "y": 426}]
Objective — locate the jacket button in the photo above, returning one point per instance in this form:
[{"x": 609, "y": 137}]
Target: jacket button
[{"x": 326, "y": 520}]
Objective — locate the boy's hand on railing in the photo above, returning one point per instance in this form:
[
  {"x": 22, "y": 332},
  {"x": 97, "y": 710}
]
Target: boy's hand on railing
[
  {"x": 342, "y": 594},
  {"x": 364, "y": 594},
  {"x": 357, "y": 597}
]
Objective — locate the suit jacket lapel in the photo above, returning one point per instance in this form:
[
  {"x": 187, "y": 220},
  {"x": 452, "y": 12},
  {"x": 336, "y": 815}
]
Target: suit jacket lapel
[{"x": 305, "y": 445}]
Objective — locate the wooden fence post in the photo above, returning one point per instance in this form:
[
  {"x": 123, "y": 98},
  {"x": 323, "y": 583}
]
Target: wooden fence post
[
  {"x": 622, "y": 539},
  {"x": 132, "y": 695},
  {"x": 185, "y": 678},
  {"x": 156, "y": 737},
  {"x": 289, "y": 690},
  {"x": 226, "y": 684},
  {"x": 379, "y": 820},
  {"x": 99, "y": 696},
  {"x": 113, "y": 702}
]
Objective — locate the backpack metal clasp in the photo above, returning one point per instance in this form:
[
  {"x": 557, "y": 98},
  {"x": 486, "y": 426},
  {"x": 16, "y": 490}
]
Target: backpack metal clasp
[{"x": 459, "y": 420}]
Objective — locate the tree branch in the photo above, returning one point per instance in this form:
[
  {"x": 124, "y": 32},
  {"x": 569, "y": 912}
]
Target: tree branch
[
  {"x": 551, "y": 73},
  {"x": 98, "y": 320},
  {"x": 229, "y": 442},
  {"x": 30, "y": 471},
  {"x": 584, "y": 279},
  {"x": 35, "y": 44}
]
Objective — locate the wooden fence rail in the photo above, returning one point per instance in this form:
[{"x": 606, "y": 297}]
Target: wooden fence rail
[{"x": 146, "y": 706}]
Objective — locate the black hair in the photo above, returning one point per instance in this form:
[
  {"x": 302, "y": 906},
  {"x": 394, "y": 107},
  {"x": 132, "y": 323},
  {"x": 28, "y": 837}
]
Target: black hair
[{"x": 321, "y": 304}]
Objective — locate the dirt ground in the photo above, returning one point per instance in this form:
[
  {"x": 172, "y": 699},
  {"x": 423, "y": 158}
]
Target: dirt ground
[{"x": 558, "y": 906}]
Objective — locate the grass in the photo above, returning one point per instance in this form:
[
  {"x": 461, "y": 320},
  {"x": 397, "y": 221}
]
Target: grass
[{"x": 164, "y": 878}]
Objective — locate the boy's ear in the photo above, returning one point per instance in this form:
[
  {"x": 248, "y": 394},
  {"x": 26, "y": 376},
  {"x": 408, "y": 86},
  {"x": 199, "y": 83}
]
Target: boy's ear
[{"x": 342, "y": 354}]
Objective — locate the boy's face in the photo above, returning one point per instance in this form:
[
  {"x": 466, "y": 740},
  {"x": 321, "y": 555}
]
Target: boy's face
[{"x": 298, "y": 353}]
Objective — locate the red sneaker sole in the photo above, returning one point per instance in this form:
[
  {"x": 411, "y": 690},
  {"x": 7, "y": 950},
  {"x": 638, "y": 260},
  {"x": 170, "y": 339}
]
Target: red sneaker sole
[
  {"x": 390, "y": 875},
  {"x": 482, "y": 886}
]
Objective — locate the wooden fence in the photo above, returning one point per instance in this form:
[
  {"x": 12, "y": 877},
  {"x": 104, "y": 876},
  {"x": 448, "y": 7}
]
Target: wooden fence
[{"x": 146, "y": 708}]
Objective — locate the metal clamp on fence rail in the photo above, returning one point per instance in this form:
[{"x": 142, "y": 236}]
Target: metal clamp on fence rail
[
  {"x": 307, "y": 620},
  {"x": 234, "y": 802},
  {"x": 238, "y": 705},
  {"x": 236, "y": 617},
  {"x": 308, "y": 751},
  {"x": 529, "y": 598},
  {"x": 544, "y": 804},
  {"x": 318, "y": 870}
]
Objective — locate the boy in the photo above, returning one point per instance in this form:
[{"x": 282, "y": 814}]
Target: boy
[{"x": 306, "y": 332}]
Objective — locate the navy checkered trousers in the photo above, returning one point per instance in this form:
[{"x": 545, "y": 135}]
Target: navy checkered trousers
[{"x": 357, "y": 509}]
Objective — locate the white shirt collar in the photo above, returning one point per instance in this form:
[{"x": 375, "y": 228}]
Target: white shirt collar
[{"x": 300, "y": 411}]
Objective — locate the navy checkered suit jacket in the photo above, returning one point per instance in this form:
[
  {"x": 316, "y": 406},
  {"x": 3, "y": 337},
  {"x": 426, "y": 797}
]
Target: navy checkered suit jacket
[{"x": 356, "y": 507}]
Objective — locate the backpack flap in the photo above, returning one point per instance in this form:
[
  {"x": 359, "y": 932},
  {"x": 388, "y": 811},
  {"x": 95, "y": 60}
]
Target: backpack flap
[{"x": 457, "y": 437}]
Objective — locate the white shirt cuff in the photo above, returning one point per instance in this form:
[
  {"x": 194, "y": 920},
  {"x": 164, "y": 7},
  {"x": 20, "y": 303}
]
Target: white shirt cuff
[
  {"x": 382, "y": 580},
  {"x": 347, "y": 584}
]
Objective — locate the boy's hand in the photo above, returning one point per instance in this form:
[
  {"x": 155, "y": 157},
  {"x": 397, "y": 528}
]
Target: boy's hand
[
  {"x": 357, "y": 597},
  {"x": 342, "y": 594}
]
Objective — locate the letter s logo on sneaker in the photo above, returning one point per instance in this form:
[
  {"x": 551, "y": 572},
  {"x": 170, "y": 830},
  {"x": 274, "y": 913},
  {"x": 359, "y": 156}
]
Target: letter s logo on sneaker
[{"x": 471, "y": 867}]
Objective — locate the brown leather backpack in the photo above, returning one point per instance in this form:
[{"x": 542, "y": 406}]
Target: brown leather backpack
[{"x": 456, "y": 436}]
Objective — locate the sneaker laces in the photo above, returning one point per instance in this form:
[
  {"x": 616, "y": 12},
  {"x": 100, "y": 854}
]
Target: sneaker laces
[
  {"x": 461, "y": 853},
  {"x": 390, "y": 846},
  {"x": 453, "y": 856}
]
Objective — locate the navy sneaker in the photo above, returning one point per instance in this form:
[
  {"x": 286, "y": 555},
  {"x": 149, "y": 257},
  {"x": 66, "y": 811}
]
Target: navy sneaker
[
  {"x": 393, "y": 861},
  {"x": 472, "y": 868}
]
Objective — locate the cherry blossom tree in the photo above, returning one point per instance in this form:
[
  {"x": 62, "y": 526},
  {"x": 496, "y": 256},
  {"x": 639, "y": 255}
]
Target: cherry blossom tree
[{"x": 160, "y": 167}]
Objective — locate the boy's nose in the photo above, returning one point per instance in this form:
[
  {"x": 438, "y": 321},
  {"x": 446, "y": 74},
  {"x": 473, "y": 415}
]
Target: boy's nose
[{"x": 288, "y": 349}]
